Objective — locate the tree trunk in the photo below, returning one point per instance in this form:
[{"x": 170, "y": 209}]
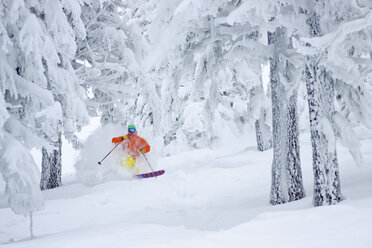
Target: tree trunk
[
  {"x": 320, "y": 95},
  {"x": 51, "y": 170},
  {"x": 295, "y": 184},
  {"x": 31, "y": 225},
  {"x": 286, "y": 166},
  {"x": 263, "y": 133},
  {"x": 320, "y": 92}
]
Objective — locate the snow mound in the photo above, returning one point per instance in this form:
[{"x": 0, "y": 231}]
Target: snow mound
[{"x": 94, "y": 149}]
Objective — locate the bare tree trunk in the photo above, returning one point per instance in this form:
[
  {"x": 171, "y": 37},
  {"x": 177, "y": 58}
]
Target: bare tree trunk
[
  {"x": 295, "y": 184},
  {"x": 263, "y": 133},
  {"x": 320, "y": 92},
  {"x": 286, "y": 167},
  {"x": 31, "y": 225},
  {"x": 51, "y": 166}
]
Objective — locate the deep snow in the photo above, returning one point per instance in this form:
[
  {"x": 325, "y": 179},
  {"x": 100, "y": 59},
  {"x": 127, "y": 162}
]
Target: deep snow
[{"x": 207, "y": 198}]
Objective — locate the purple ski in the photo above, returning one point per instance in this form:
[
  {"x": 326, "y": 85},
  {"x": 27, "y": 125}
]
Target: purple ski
[{"x": 150, "y": 174}]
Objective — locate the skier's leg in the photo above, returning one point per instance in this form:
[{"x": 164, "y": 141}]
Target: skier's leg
[
  {"x": 129, "y": 162},
  {"x": 135, "y": 167}
]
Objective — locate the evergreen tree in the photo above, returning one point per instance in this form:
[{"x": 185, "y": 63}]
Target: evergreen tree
[
  {"x": 39, "y": 97},
  {"x": 62, "y": 26},
  {"x": 22, "y": 98},
  {"x": 325, "y": 74},
  {"x": 221, "y": 60},
  {"x": 107, "y": 60}
]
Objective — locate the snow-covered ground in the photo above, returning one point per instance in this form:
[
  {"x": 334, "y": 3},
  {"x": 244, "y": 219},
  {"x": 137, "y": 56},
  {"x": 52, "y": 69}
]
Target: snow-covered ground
[{"x": 207, "y": 198}]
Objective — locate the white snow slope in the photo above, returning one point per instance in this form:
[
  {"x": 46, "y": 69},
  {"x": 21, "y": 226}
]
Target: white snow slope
[{"x": 207, "y": 198}]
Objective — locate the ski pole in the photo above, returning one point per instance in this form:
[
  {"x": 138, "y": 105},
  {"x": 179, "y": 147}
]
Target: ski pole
[
  {"x": 148, "y": 162},
  {"x": 108, "y": 153}
]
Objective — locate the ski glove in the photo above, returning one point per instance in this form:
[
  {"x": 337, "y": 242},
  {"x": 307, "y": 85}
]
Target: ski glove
[
  {"x": 143, "y": 150},
  {"x": 119, "y": 139}
]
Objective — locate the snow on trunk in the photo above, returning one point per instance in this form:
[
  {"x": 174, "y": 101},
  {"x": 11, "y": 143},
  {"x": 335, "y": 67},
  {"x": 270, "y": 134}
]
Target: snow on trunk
[{"x": 286, "y": 166}]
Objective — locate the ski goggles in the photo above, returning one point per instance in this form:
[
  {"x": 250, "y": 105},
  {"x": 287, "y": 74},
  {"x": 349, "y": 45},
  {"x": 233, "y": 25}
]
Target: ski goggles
[{"x": 131, "y": 130}]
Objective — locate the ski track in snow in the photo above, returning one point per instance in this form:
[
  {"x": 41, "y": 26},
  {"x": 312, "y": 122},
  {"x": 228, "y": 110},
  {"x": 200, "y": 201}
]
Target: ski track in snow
[{"x": 206, "y": 198}]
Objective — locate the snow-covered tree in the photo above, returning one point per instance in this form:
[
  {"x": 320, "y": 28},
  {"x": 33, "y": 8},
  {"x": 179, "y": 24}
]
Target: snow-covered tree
[
  {"x": 335, "y": 68},
  {"x": 39, "y": 98},
  {"x": 107, "y": 59},
  {"x": 60, "y": 27},
  {"x": 22, "y": 98},
  {"x": 277, "y": 19},
  {"x": 19, "y": 97},
  {"x": 211, "y": 72},
  {"x": 21, "y": 177},
  {"x": 320, "y": 89},
  {"x": 342, "y": 22}
]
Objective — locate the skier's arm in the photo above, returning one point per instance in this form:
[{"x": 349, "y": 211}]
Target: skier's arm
[
  {"x": 145, "y": 147},
  {"x": 119, "y": 139}
]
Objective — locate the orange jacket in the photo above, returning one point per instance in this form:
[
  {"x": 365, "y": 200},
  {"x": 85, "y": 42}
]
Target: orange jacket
[{"x": 133, "y": 144}]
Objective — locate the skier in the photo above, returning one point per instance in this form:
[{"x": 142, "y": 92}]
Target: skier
[{"x": 134, "y": 145}]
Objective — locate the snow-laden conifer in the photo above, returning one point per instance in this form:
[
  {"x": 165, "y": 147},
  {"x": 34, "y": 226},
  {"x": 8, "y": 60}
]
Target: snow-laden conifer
[
  {"x": 59, "y": 29},
  {"x": 210, "y": 68},
  {"x": 22, "y": 97},
  {"x": 39, "y": 92},
  {"x": 107, "y": 58}
]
